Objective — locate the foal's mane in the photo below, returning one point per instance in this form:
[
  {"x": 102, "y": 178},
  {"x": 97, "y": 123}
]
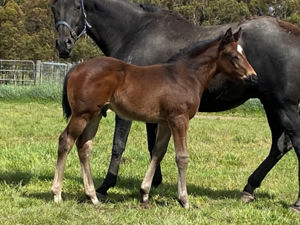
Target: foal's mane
[{"x": 194, "y": 49}]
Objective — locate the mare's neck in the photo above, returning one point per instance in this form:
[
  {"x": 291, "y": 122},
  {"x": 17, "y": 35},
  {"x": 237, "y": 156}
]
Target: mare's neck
[{"x": 112, "y": 21}]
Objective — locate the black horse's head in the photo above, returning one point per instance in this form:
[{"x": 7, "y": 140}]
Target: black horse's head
[{"x": 70, "y": 22}]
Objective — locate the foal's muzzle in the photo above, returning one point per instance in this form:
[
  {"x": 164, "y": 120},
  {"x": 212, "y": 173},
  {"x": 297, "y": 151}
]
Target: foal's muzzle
[{"x": 251, "y": 79}]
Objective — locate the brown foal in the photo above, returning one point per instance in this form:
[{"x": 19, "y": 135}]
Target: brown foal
[{"x": 167, "y": 94}]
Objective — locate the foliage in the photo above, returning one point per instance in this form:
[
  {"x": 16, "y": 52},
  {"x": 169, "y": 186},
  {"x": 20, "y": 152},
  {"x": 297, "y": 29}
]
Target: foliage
[
  {"x": 27, "y": 32},
  {"x": 27, "y": 28}
]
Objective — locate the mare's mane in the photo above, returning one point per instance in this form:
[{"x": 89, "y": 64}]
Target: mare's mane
[
  {"x": 194, "y": 49},
  {"x": 290, "y": 28},
  {"x": 147, "y": 7}
]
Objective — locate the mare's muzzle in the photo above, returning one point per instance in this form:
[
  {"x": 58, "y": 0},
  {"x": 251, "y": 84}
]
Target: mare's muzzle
[{"x": 64, "y": 46}]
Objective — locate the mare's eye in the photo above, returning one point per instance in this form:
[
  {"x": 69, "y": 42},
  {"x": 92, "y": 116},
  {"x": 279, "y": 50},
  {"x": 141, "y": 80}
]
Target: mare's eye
[{"x": 77, "y": 7}]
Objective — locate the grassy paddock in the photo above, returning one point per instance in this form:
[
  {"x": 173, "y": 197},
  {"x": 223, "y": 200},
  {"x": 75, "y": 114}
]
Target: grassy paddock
[
  {"x": 45, "y": 92},
  {"x": 224, "y": 149}
]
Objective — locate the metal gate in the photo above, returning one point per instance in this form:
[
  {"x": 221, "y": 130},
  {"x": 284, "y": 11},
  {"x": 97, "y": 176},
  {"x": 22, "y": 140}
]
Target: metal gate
[
  {"x": 17, "y": 72},
  {"x": 52, "y": 72},
  {"x": 27, "y": 72}
]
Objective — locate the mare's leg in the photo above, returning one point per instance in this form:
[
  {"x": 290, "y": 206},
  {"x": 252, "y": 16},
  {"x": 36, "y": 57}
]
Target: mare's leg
[
  {"x": 281, "y": 121},
  {"x": 84, "y": 148},
  {"x": 151, "y": 136},
  {"x": 276, "y": 152},
  {"x": 291, "y": 122},
  {"x": 159, "y": 150},
  {"x": 122, "y": 128},
  {"x": 66, "y": 141},
  {"x": 179, "y": 128}
]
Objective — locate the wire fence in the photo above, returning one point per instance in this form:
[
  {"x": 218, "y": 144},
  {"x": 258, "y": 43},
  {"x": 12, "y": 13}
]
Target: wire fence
[{"x": 28, "y": 72}]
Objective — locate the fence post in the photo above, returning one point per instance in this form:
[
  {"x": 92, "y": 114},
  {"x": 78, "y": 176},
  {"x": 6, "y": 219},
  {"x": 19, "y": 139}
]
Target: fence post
[{"x": 38, "y": 77}]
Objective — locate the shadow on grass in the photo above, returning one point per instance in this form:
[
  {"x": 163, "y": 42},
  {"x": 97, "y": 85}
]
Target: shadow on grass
[
  {"x": 20, "y": 178},
  {"x": 127, "y": 189},
  {"x": 169, "y": 190}
]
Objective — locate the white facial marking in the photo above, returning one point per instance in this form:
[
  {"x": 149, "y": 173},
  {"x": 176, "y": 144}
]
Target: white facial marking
[{"x": 240, "y": 49}]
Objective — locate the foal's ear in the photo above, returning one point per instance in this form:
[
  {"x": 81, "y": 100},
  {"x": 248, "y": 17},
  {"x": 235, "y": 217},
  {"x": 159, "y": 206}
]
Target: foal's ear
[
  {"x": 237, "y": 35},
  {"x": 227, "y": 38}
]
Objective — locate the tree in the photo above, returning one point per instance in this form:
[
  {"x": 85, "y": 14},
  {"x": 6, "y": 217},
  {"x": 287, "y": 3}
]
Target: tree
[
  {"x": 27, "y": 26},
  {"x": 12, "y": 30}
]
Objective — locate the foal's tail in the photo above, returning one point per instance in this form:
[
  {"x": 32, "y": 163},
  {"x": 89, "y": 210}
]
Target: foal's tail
[{"x": 65, "y": 102}]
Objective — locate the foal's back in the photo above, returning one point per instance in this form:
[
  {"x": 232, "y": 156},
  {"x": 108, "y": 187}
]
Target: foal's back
[{"x": 133, "y": 92}]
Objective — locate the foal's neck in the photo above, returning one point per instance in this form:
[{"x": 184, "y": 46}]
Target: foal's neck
[
  {"x": 204, "y": 66},
  {"x": 112, "y": 21}
]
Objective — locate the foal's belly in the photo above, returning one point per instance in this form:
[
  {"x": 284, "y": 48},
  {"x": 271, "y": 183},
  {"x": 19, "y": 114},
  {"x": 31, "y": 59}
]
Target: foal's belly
[
  {"x": 137, "y": 112},
  {"x": 159, "y": 111}
]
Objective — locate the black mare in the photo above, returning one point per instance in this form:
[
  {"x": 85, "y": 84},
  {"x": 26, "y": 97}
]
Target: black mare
[{"x": 144, "y": 35}]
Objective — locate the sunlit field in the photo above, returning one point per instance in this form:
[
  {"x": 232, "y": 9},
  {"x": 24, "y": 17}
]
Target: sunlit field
[{"x": 224, "y": 149}]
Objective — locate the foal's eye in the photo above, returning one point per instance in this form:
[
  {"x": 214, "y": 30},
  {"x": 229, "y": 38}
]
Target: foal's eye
[
  {"x": 234, "y": 57},
  {"x": 77, "y": 7}
]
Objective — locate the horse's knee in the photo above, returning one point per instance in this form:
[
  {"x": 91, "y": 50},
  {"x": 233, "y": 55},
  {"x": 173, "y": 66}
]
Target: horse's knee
[
  {"x": 84, "y": 148},
  {"x": 182, "y": 161},
  {"x": 284, "y": 143},
  {"x": 64, "y": 144}
]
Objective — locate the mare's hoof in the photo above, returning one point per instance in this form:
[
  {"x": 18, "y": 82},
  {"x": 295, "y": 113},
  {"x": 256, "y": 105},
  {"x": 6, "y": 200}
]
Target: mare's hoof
[
  {"x": 109, "y": 182},
  {"x": 295, "y": 208},
  {"x": 102, "y": 190},
  {"x": 246, "y": 197}
]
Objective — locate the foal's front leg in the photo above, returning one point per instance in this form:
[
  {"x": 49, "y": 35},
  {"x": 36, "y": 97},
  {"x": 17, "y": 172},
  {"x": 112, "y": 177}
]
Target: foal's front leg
[
  {"x": 179, "y": 127},
  {"x": 159, "y": 150}
]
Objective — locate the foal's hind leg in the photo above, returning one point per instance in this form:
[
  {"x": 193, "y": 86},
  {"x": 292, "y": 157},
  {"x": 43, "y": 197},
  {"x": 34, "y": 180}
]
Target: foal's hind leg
[
  {"x": 159, "y": 150},
  {"x": 151, "y": 137},
  {"x": 84, "y": 148},
  {"x": 66, "y": 142}
]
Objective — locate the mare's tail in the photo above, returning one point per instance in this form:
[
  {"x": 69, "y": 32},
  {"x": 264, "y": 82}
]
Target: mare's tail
[{"x": 65, "y": 102}]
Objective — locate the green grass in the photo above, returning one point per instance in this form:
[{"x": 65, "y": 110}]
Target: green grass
[
  {"x": 45, "y": 92},
  {"x": 224, "y": 149}
]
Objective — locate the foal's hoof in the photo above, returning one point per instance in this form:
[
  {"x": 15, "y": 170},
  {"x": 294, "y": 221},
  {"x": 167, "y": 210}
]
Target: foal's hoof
[
  {"x": 145, "y": 205},
  {"x": 246, "y": 197},
  {"x": 95, "y": 201},
  {"x": 57, "y": 199},
  {"x": 184, "y": 203}
]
